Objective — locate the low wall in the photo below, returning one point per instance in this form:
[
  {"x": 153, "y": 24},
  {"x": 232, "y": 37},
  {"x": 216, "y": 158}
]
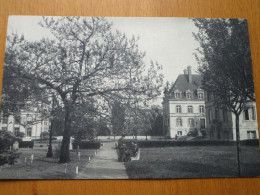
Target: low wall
[{"x": 149, "y": 137}]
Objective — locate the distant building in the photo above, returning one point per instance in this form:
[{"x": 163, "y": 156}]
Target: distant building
[
  {"x": 184, "y": 106},
  {"x": 27, "y": 121},
  {"x": 221, "y": 123}
]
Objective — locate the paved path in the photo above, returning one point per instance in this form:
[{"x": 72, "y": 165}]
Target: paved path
[{"x": 104, "y": 165}]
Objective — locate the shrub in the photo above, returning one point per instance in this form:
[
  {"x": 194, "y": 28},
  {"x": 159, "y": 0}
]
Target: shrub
[
  {"x": 126, "y": 149},
  {"x": 156, "y": 143},
  {"x": 86, "y": 144},
  {"x": 26, "y": 144},
  {"x": 44, "y": 135},
  {"x": 20, "y": 134},
  {"x": 6, "y": 142}
]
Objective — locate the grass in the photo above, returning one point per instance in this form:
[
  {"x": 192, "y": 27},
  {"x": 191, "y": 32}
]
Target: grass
[
  {"x": 42, "y": 167},
  {"x": 194, "y": 162}
]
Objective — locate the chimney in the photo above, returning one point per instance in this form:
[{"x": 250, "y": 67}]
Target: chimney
[
  {"x": 185, "y": 71},
  {"x": 189, "y": 73}
]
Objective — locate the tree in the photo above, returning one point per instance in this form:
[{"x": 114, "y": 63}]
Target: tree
[
  {"x": 156, "y": 122},
  {"x": 118, "y": 118},
  {"x": 85, "y": 60},
  {"x": 225, "y": 64}
]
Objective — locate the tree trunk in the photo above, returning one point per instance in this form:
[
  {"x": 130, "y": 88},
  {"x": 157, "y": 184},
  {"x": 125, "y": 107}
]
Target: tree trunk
[
  {"x": 50, "y": 153},
  {"x": 64, "y": 153},
  {"x": 238, "y": 145}
]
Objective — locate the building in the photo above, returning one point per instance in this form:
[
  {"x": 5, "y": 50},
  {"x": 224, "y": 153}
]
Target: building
[
  {"x": 221, "y": 122},
  {"x": 28, "y": 121},
  {"x": 184, "y": 106}
]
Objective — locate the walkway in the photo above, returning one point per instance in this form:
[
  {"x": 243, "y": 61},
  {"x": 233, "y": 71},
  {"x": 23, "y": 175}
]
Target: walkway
[{"x": 104, "y": 165}]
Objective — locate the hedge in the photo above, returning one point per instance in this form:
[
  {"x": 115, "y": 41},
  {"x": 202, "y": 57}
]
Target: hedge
[
  {"x": 156, "y": 143},
  {"x": 86, "y": 145},
  {"x": 26, "y": 144}
]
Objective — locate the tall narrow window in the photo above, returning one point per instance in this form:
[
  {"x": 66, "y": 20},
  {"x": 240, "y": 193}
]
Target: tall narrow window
[
  {"x": 201, "y": 109},
  {"x": 178, "y": 122},
  {"x": 246, "y": 114},
  {"x": 191, "y": 122},
  {"x": 5, "y": 119},
  {"x": 178, "y": 109},
  {"x": 210, "y": 116},
  {"x": 16, "y": 131},
  {"x": 190, "y": 109},
  {"x": 217, "y": 113},
  {"x": 28, "y": 132}
]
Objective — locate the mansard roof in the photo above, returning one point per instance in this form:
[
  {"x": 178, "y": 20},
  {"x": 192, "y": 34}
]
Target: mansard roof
[{"x": 182, "y": 83}]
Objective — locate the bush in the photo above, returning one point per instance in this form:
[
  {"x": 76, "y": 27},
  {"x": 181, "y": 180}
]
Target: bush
[
  {"x": 20, "y": 134},
  {"x": 44, "y": 135},
  {"x": 26, "y": 144},
  {"x": 7, "y": 156},
  {"x": 156, "y": 143},
  {"x": 126, "y": 149},
  {"x": 86, "y": 144}
]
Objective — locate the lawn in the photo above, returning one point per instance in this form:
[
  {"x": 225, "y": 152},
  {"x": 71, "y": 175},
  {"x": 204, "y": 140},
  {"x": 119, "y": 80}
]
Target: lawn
[
  {"x": 194, "y": 162},
  {"x": 42, "y": 167}
]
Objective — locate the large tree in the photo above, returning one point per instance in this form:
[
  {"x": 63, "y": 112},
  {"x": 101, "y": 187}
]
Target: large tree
[
  {"x": 225, "y": 64},
  {"x": 86, "y": 59}
]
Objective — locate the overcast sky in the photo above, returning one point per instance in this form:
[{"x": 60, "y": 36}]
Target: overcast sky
[{"x": 166, "y": 40}]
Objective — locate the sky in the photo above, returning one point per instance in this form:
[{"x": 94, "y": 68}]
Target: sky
[{"x": 168, "y": 41}]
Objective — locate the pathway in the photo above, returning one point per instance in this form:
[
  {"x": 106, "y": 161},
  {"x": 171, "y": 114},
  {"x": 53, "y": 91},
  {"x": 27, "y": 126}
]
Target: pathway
[{"x": 104, "y": 165}]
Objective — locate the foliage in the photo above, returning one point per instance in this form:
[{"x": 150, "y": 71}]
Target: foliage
[
  {"x": 126, "y": 149},
  {"x": 85, "y": 60},
  {"x": 225, "y": 64},
  {"x": 45, "y": 135},
  {"x": 7, "y": 156},
  {"x": 118, "y": 118},
  {"x": 86, "y": 144}
]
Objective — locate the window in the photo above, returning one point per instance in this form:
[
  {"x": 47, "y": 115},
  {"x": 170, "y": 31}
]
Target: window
[
  {"x": 179, "y": 132},
  {"x": 202, "y": 123},
  {"x": 178, "y": 109},
  {"x": 191, "y": 122},
  {"x": 251, "y": 134},
  {"x": 29, "y": 132},
  {"x": 177, "y": 95},
  {"x": 201, "y": 109},
  {"x": 210, "y": 116},
  {"x": 4, "y": 128},
  {"x": 5, "y": 119},
  {"x": 16, "y": 131},
  {"x": 17, "y": 119},
  {"x": 190, "y": 109},
  {"x": 225, "y": 117},
  {"x": 200, "y": 95},
  {"x": 249, "y": 113},
  {"x": 179, "y": 122},
  {"x": 216, "y": 113},
  {"x": 188, "y": 95}
]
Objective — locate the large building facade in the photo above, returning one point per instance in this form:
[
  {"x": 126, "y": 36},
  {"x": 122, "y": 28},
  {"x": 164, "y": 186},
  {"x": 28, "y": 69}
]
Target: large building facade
[
  {"x": 221, "y": 122},
  {"x": 184, "y": 106}
]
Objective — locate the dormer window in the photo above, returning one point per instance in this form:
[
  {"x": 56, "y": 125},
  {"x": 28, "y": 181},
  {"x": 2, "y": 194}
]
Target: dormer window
[
  {"x": 200, "y": 94},
  {"x": 188, "y": 94},
  {"x": 177, "y": 94}
]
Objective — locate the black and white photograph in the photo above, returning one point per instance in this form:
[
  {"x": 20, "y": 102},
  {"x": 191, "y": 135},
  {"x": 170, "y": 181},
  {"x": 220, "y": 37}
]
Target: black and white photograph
[{"x": 127, "y": 98}]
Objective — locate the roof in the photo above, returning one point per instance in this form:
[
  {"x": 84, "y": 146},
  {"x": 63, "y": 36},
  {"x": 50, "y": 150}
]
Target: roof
[{"x": 182, "y": 83}]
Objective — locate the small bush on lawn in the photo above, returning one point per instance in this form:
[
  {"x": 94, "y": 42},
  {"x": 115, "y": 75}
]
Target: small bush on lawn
[
  {"x": 7, "y": 156},
  {"x": 126, "y": 149},
  {"x": 86, "y": 144},
  {"x": 26, "y": 144}
]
